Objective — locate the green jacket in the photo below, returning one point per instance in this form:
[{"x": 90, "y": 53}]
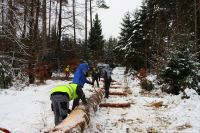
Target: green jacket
[{"x": 70, "y": 89}]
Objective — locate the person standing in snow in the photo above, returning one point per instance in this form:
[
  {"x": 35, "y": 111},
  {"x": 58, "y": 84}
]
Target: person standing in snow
[
  {"x": 67, "y": 72},
  {"x": 95, "y": 76},
  {"x": 80, "y": 78},
  {"x": 60, "y": 97},
  {"x": 107, "y": 81}
]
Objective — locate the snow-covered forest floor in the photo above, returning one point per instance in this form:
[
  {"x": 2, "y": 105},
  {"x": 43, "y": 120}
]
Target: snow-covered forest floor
[{"x": 29, "y": 110}]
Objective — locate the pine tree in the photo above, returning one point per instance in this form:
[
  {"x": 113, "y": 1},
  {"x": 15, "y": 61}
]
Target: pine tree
[{"x": 96, "y": 40}]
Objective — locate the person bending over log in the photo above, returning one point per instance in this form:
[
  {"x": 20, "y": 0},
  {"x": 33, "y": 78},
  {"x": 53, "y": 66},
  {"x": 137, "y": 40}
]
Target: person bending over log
[
  {"x": 80, "y": 78},
  {"x": 60, "y": 97}
]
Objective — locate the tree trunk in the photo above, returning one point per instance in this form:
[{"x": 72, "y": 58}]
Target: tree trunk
[
  {"x": 56, "y": 15},
  {"x": 31, "y": 31},
  {"x": 79, "y": 118},
  {"x": 44, "y": 29},
  {"x": 11, "y": 25},
  {"x": 25, "y": 18},
  {"x": 119, "y": 93},
  {"x": 74, "y": 22},
  {"x": 195, "y": 26},
  {"x": 31, "y": 19},
  {"x": 91, "y": 15},
  {"x": 36, "y": 30},
  {"x": 86, "y": 23},
  {"x": 115, "y": 105},
  {"x": 49, "y": 23},
  {"x": 2, "y": 15},
  {"x": 198, "y": 26},
  {"x": 59, "y": 35},
  {"x": 116, "y": 86}
]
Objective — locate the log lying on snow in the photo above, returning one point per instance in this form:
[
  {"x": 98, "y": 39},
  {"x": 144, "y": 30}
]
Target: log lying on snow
[
  {"x": 118, "y": 93},
  {"x": 115, "y": 105},
  {"x": 113, "y": 81},
  {"x": 79, "y": 118},
  {"x": 3, "y": 130},
  {"x": 116, "y": 86}
]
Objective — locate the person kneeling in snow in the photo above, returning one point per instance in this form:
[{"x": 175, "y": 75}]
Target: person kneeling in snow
[{"x": 60, "y": 97}]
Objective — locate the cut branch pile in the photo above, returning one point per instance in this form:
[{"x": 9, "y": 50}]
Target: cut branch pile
[
  {"x": 79, "y": 118},
  {"x": 115, "y": 105},
  {"x": 157, "y": 104}
]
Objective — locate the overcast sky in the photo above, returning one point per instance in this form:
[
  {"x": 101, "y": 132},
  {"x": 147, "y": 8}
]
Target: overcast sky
[{"x": 112, "y": 17}]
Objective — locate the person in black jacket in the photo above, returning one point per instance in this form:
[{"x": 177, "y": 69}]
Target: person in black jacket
[
  {"x": 107, "y": 81},
  {"x": 95, "y": 76}
]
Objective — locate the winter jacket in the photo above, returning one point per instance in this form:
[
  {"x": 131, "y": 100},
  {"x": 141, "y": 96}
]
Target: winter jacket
[
  {"x": 95, "y": 73},
  {"x": 80, "y": 75},
  {"x": 70, "y": 89},
  {"x": 107, "y": 75}
]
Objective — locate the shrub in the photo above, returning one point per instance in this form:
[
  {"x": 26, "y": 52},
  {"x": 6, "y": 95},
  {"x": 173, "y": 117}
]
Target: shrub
[
  {"x": 180, "y": 72},
  {"x": 146, "y": 85}
]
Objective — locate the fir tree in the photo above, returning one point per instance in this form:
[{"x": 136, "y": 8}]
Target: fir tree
[
  {"x": 125, "y": 35},
  {"x": 181, "y": 71},
  {"x": 109, "y": 55},
  {"x": 96, "y": 40}
]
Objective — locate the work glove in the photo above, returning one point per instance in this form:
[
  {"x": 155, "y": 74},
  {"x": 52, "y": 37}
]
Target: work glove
[{"x": 69, "y": 111}]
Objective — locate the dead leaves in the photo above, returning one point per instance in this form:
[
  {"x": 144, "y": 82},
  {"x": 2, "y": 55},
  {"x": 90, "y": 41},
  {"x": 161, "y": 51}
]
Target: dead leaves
[
  {"x": 184, "y": 126},
  {"x": 151, "y": 130},
  {"x": 157, "y": 104}
]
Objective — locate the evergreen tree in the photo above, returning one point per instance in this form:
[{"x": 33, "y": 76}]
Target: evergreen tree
[
  {"x": 137, "y": 46},
  {"x": 125, "y": 35},
  {"x": 181, "y": 70},
  {"x": 96, "y": 40},
  {"x": 109, "y": 55}
]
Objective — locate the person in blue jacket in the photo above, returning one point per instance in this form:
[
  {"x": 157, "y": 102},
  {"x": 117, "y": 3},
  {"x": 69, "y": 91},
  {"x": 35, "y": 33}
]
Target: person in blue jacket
[{"x": 80, "y": 78}]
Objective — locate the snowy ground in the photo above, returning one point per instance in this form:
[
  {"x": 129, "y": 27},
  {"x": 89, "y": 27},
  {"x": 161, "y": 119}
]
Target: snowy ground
[{"x": 29, "y": 110}]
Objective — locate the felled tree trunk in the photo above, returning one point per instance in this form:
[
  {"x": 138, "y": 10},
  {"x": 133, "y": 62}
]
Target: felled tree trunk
[
  {"x": 115, "y": 105},
  {"x": 119, "y": 93},
  {"x": 4, "y": 130},
  {"x": 79, "y": 118},
  {"x": 116, "y": 86}
]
